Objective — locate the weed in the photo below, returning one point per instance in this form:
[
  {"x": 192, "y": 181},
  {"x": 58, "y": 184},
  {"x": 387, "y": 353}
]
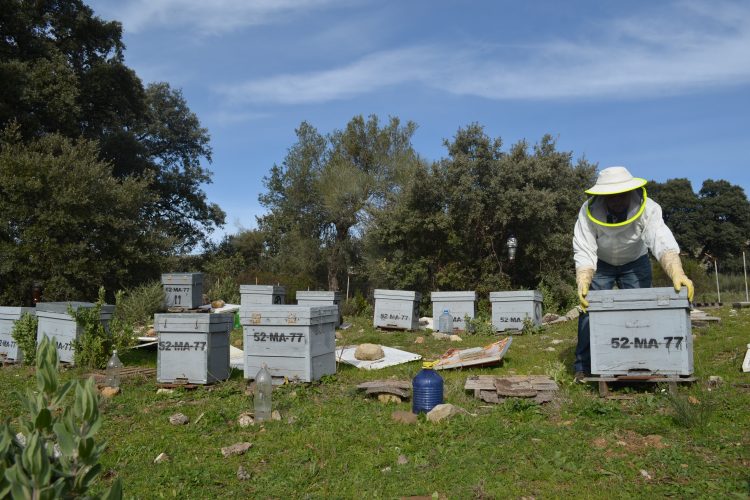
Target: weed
[
  {"x": 24, "y": 333},
  {"x": 690, "y": 411},
  {"x": 556, "y": 371},
  {"x": 530, "y": 328},
  {"x": 481, "y": 324}
]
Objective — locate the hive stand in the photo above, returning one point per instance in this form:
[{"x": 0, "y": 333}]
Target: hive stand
[{"x": 670, "y": 380}]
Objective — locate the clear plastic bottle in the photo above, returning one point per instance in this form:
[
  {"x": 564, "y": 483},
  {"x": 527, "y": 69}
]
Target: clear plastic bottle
[
  {"x": 262, "y": 398},
  {"x": 445, "y": 322},
  {"x": 114, "y": 368}
]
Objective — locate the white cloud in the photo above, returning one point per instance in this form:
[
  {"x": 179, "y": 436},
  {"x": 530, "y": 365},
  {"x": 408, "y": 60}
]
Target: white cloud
[
  {"x": 204, "y": 16},
  {"x": 664, "y": 52},
  {"x": 225, "y": 118}
]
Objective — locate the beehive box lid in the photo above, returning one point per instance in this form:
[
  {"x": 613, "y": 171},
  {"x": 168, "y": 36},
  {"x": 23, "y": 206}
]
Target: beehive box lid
[
  {"x": 181, "y": 322},
  {"x": 62, "y": 308},
  {"x": 263, "y": 289},
  {"x": 453, "y": 296},
  {"x": 516, "y": 295},
  {"x": 14, "y": 313},
  {"x": 637, "y": 298},
  {"x": 182, "y": 278},
  {"x": 397, "y": 294},
  {"x": 318, "y": 295},
  {"x": 288, "y": 315}
]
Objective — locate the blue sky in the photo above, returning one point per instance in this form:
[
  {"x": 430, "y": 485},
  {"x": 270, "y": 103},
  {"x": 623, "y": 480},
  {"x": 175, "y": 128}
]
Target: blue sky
[{"x": 660, "y": 87}]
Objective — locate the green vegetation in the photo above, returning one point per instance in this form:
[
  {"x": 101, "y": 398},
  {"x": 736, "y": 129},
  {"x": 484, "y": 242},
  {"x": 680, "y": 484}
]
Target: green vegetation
[
  {"x": 24, "y": 333},
  {"x": 56, "y": 455},
  {"x": 334, "y": 441},
  {"x": 95, "y": 342}
]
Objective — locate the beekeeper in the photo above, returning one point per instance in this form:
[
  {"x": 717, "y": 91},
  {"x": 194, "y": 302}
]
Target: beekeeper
[{"x": 615, "y": 230}]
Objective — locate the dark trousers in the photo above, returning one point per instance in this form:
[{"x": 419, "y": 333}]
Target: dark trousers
[{"x": 636, "y": 274}]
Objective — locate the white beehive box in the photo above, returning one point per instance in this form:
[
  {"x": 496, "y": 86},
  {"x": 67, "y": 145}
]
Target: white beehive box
[
  {"x": 296, "y": 342},
  {"x": 54, "y": 321},
  {"x": 250, "y": 295},
  {"x": 397, "y": 309},
  {"x": 8, "y": 317},
  {"x": 510, "y": 309},
  {"x": 321, "y": 298},
  {"x": 459, "y": 305},
  {"x": 643, "y": 331},
  {"x": 193, "y": 348},
  {"x": 183, "y": 289}
]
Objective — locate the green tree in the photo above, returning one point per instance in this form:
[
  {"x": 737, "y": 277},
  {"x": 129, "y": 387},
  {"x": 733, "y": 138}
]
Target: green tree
[
  {"x": 725, "y": 220},
  {"x": 682, "y": 212},
  {"x": 449, "y": 226},
  {"x": 325, "y": 191},
  {"x": 68, "y": 222},
  {"x": 63, "y": 72}
]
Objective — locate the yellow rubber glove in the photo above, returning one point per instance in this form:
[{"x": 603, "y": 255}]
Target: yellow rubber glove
[
  {"x": 671, "y": 264},
  {"x": 584, "y": 275}
]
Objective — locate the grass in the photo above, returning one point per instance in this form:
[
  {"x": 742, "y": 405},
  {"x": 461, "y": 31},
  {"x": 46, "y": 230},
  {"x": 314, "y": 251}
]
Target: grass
[{"x": 333, "y": 441}]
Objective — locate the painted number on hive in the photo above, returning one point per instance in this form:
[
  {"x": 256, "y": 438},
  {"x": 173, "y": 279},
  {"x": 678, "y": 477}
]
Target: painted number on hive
[
  {"x": 506, "y": 319},
  {"x": 7, "y": 343},
  {"x": 395, "y": 317},
  {"x": 168, "y": 345},
  {"x": 278, "y": 337},
  {"x": 645, "y": 343},
  {"x": 67, "y": 346}
]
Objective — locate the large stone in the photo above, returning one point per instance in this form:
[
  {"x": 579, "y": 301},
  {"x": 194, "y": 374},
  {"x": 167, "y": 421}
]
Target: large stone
[
  {"x": 573, "y": 313},
  {"x": 455, "y": 338},
  {"x": 369, "y": 352},
  {"x": 443, "y": 411}
]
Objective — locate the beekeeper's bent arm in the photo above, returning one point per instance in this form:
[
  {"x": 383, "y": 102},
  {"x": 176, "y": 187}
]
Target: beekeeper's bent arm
[
  {"x": 584, "y": 241},
  {"x": 656, "y": 235}
]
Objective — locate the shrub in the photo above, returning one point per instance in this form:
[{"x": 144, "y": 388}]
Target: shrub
[
  {"x": 356, "y": 306},
  {"x": 24, "y": 333},
  {"x": 54, "y": 455},
  {"x": 481, "y": 324},
  {"x": 137, "y": 306},
  {"x": 94, "y": 344}
]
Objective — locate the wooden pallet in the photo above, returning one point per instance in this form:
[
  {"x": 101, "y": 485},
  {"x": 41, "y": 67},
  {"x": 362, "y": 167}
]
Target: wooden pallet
[
  {"x": 493, "y": 389},
  {"x": 127, "y": 372},
  {"x": 671, "y": 381}
]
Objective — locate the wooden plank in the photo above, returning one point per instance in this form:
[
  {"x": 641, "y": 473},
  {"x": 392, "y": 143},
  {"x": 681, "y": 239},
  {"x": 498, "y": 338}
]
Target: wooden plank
[
  {"x": 400, "y": 384},
  {"x": 384, "y": 389}
]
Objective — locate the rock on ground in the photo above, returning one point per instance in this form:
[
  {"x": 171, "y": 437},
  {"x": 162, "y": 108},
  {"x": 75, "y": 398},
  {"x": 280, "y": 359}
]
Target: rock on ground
[
  {"x": 162, "y": 457},
  {"x": 236, "y": 449},
  {"x": 404, "y": 417},
  {"x": 179, "y": 419},
  {"x": 108, "y": 392},
  {"x": 443, "y": 411},
  {"x": 243, "y": 474},
  {"x": 369, "y": 352},
  {"x": 246, "y": 420}
]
